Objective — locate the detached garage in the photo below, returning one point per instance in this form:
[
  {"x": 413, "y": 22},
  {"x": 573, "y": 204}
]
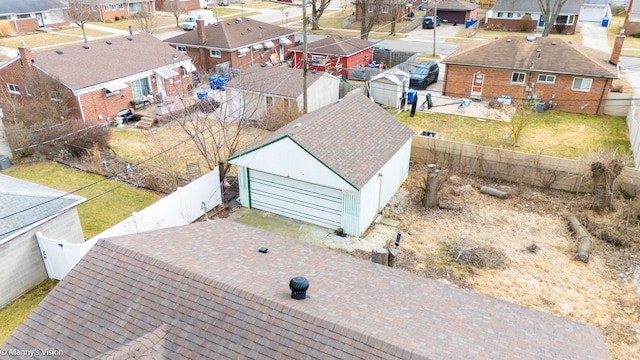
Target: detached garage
[{"x": 336, "y": 167}]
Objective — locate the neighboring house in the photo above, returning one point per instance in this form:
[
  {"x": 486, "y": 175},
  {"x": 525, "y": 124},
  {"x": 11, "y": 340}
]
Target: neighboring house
[
  {"x": 205, "y": 291},
  {"x": 25, "y": 209},
  {"x": 632, "y": 21},
  {"x": 517, "y": 67},
  {"x": 525, "y": 15},
  {"x": 389, "y": 87},
  {"x": 108, "y": 10},
  {"x": 23, "y": 16},
  {"x": 185, "y": 5},
  {"x": 238, "y": 44},
  {"x": 595, "y": 10},
  {"x": 402, "y": 10},
  {"x": 334, "y": 54},
  {"x": 457, "y": 11},
  {"x": 99, "y": 80},
  {"x": 336, "y": 167},
  {"x": 251, "y": 94}
]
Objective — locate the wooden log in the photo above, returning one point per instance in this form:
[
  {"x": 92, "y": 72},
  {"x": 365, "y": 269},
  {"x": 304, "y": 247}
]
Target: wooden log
[
  {"x": 583, "y": 236},
  {"x": 448, "y": 205},
  {"x": 380, "y": 256},
  {"x": 393, "y": 257},
  {"x": 494, "y": 192}
]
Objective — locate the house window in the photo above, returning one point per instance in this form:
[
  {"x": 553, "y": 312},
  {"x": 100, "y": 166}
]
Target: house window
[
  {"x": 371, "y": 8},
  {"x": 5, "y": 17},
  {"x": 500, "y": 14},
  {"x": 107, "y": 8},
  {"x": 385, "y": 9},
  {"x": 23, "y": 16},
  {"x": 140, "y": 88},
  {"x": 182, "y": 49},
  {"x": 14, "y": 89},
  {"x": 121, "y": 6},
  {"x": 184, "y": 70},
  {"x": 581, "y": 84},
  {"x": 517, "y": 78},
  {"x": 269, "y": 101},
  {"x": 509, "y": 15},
  {"x": 215, "y": 53},
  {"x": 114, "y": 7},
  {"x": 547, "y": 79},
  {"x": 317, "y": 60},
  {"x": 565, "y": 19}
]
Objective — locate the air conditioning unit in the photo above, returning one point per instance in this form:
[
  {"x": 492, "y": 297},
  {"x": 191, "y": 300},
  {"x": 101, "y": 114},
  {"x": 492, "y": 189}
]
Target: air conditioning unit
[{"x": 4, "y": 162}]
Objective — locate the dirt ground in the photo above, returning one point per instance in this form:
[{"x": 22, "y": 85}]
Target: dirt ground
[{"x": 532, "y": 250}]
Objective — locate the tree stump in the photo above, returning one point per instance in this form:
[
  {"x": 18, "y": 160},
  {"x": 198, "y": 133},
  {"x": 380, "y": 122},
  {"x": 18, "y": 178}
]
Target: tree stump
[
  {"x": 380, "y": 256},
  {"x": 604, "y": 179},
  {"x": 430, "y": 199},
  {"x": 393, "y": 257},
  {"x": 494, "y": 192},
  {"x": 583, "y": 237}
]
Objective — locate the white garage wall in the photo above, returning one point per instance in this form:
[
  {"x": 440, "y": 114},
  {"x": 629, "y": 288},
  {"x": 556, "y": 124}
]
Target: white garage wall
[{"x": 323, "y": 91}]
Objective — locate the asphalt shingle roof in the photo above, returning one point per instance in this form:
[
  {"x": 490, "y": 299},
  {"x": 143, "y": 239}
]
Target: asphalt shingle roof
[
  {"x": 336, "y": 45},
  {"x": 29, "y": 6},
  {"x": 570, "y": 7},
  {"x": 354, "y": 137},
  {"x": 101, "y": 62},
  {"x": 282, "y": 80},
  {"x": 22, "y": 204},
  {"x": 456, "y": 5},
  {"x": 543, "y": 54},
  {"x": 204, "y": 291}
]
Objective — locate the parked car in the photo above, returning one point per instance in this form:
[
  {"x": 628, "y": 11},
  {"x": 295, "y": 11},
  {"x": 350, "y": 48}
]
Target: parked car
[
  {"x": 125, "y": 115},
  {"x": 423, "y": 75},
  {"x": 223, "y": 3},
  {"x": 427, "y": 22}
]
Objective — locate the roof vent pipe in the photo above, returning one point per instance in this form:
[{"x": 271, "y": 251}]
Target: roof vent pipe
[{"x": 299, "y": 286}]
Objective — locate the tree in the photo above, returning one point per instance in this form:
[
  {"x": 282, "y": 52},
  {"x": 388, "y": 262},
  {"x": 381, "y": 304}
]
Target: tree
[
  {"x": 604, "y": 179},
  {"x": 521, "y": 116},
  {"x": 146, "y": 21},
  {"x": 369, "y": 19},
  {"x": 175, "y": 8},
  {"x": 80, "y": 14},
  {"x": 397, "y": 7},
  {"x": 317, "y": 9},
  {"x": 550, "y": 10}
]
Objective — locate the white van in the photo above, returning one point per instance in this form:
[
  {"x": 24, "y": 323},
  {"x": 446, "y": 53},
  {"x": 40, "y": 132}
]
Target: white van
[{"x": 190, "y": 22}]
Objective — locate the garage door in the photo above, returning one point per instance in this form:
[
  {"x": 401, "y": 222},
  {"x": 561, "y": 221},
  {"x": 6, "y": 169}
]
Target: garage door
[{"x": 296, "y": 199}]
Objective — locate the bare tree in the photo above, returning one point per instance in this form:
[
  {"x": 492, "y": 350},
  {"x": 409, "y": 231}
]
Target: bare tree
[
  {"x": 369, "y": 19},
  {"x": 604, "y": 180},
  {"x": 397, "y": 7},
  {"x": 48, "y": 100},
  {"x": 175, "y": 8},
  {"x": 317, "y": 9},
  {"x": 521, "y": 116},
  {"x": 550, "y": 10},
  {"x": 80, "y": 14},
  {"x": 146, "y": 21}
]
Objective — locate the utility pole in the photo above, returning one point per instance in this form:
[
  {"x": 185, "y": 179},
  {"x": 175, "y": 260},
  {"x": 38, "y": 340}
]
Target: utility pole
[
  {"x": 435, "y": 25},
  {"x": 304, "y": 57}
]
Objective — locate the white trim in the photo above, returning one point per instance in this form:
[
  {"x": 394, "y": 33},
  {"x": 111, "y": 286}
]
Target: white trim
[
  {"x": 257, "y": 47},
  {"x": 268, "y": 45},
  {"x": 165, "y": 73},
  {"x": 114, "y": 86},
  {"x": 284, "y": 41}
]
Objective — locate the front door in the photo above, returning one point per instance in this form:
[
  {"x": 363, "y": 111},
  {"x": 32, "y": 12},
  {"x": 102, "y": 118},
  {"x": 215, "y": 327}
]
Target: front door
[
  {"x": 40, "y": 19},
  {"x": 160, "y": 85},
  {"x": 476, "y": 86}
]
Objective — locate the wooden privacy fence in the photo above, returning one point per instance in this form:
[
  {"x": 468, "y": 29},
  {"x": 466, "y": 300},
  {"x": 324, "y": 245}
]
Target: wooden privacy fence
[{"x": 529, "y": 169}]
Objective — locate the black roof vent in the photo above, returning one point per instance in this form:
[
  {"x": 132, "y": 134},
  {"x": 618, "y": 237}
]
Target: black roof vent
[
  {"x": 299, "y": 286},
  {"x": 109, "y": 43},
  {"x": 85, "y": 46},
  {"x": 59, "y": 52},
  {"x": 130, "y": 38}
]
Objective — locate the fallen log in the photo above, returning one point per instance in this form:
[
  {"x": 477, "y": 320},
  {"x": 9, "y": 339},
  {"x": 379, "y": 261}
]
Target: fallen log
[
  {"x": 449, "y": 205},
  {"x": 494, "y": 192},
  {"x": 583, "y": 236}
]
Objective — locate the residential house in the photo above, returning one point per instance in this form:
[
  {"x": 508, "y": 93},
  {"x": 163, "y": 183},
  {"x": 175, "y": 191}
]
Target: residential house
[
  {"x": 234, "y": 44},
  {"x": 528, "y": 68},
  {"x": 336, "y": 167},
  {"x": 251, "y": 94},
  {"x": 23, "y": 16},
  {"x": 595, "y": 10},
  {"x": 525, "y": 15},
  {"x": 104, "y": 76},
  {"x": 223, "y": 290},
  {"x": 389, "y": 8},
  {"x": 185, "y": 5},
  {"x": 632, "y": 20},
  {"x": 26, "y": 209},
  {"x": 389, "y": 87},
  {"x": 456, "y": 11},
  {"x": 334, "y": 54},
  {"x": 108, "y": 10}
]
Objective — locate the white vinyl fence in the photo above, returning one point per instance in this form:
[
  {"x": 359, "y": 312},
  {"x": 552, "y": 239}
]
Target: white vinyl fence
[{"x": 182, "y": 207}]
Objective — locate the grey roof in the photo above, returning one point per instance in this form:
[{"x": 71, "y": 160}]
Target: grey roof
[
  {"x": 204, "y": 291},
  {"x": 281, "y": 80},
  {"x": 23, "y": 204},
  {"x": 515, "y": 52},
  {"x": 353, "y": 137},
  {"x": 29, "y": 6},
  {"x": 336, "y": 45},
  {"x": 453, "y": 5},
  {"x": 530, "y": 6},
  {"x": 231, "y": 35},
  {"x": 101, "y": 62}
]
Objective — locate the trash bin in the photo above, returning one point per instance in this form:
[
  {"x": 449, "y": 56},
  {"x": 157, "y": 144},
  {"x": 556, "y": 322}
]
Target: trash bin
[
  {"x": 539, "y": 107},
  {"x": 410, "y": 96},
  {"x": 605, "y": 22}
]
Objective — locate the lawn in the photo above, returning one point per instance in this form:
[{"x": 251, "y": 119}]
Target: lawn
[
  {"x": 37, "y": 40},
  {"x": 631, "y": 46},
  {"x": 16, "y": 312}
]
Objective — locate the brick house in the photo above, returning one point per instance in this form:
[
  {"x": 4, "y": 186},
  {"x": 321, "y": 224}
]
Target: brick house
[
  {"x": 99, "y": 80},
  {"x": 632, "y": 20},
  {"x": 517, "y": 67},
  {"x": 237, "y": 44},
  {"x": 525, "y": 15},
  {"x": 107, "y": 10},
  {"x": 186, "y": 5},
  {"x": 28, "y": 16},
  {"x": 334, "y": 54},
  {"x": 453, "y": 11},
  {"x": 404, "y": 9}
]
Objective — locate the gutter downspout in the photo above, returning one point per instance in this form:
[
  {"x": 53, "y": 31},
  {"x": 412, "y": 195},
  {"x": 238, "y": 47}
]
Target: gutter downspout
[{"x": 606, "y": 84}]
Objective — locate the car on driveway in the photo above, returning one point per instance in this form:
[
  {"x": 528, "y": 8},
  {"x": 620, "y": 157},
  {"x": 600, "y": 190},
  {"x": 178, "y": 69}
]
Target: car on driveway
[
  {"x": 427, "y": 22},
  {"x": 423, "y": 75}
]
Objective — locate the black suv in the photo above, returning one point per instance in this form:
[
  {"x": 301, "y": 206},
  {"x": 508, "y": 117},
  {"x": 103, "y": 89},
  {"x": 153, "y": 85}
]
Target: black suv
[
  {"x": 427, "y": 22},
  {"x": 423, "y": 75}
]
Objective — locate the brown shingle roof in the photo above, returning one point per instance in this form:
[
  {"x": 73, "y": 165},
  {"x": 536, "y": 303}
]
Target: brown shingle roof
[
  {"x": 456, "y": 5},
  {"x": 337, "y": 45},
  {"x": 204, "y": 291},
  {"x": 354, "y": 137},
  {"x": 546, "y": 54},
  {"x": 232, "y": 35},
  {"x": 274, "y": 80},
  {"x": 100, "y": 62}
]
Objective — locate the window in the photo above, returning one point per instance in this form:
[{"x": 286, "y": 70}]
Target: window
[
  {"x": 121, "y": 6},
  {"x": 5, "y": 17},
  {"x": 500, "y": 14},
  {"x": 107, "y": 8},
  {"x": 140, "y": 88},
  {"x": 14, "y": 89},
  {"x": 565, "y": 19},
  {"x": 269, "y": 101},
  {"x": 317, "y": 60},
  {"x": 215, "y": 53},
  {"x": 23, "y": 16},
  {"x": 385, "y": 9},
  {"x": 509, "y": 15},
  {"x": 517, "y": 78},
  {"x": 182, "y": 49},
  {"x": 114, "y": 7},
  {"x": 547, "y": 79},
  {"x": 581, "y": 84}
]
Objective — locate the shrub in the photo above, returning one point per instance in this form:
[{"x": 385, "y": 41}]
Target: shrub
[{"x": 117, "y": 18}]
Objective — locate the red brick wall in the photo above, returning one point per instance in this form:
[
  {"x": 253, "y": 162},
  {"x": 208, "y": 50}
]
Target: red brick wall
[
  {"x": 497, "y": 83},
  {"x": 362, "y": 58},
  {"x": 631, "y": 27},
  {"x": 402, "y": 12},
  {"x": 517, "y": 25}
]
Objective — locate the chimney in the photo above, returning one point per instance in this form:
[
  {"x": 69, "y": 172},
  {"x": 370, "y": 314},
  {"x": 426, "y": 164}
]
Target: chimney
[
  {"x": 617, "y": 48},
  {"x": 26, "y": 57},
  {"x": 202, "y": 34}
]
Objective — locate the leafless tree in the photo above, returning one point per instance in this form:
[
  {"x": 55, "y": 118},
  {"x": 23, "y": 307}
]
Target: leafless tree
[
  {"x": 47, "y": 99},
  {"x": 520, "y": 116},
  {"x": 317, "y": 9},
  {"x": 550, "y": 10},
  {"x": 146, "y": 21},
  {"x": 369, "y": 19},
  {"x": 397, "y": 8},
  {"x": 80, "y": 14},
  {"x": 175, "y": 8}
]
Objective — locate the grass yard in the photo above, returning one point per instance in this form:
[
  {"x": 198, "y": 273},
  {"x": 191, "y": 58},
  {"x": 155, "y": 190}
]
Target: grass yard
[
  {"x": 631, "y": 46},
  {"x": 37, "y": 40},
  {"x": 109, "y": 202},
  {"x": 16, "y": 312}
]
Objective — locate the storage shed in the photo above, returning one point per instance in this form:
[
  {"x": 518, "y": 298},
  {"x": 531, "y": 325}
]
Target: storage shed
[
  {"x": 387, "y": 87},
  {"x": 336, "y": 167}
]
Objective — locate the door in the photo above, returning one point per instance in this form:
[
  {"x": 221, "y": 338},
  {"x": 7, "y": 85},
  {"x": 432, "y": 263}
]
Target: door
[
  {"x": 160, "y": 85},
  {"x": 540, "y": 22},
  {"x": 40, "y": 19},
  {"x": 295, "y": 199},
  {"x": 476, "y": 86}
]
